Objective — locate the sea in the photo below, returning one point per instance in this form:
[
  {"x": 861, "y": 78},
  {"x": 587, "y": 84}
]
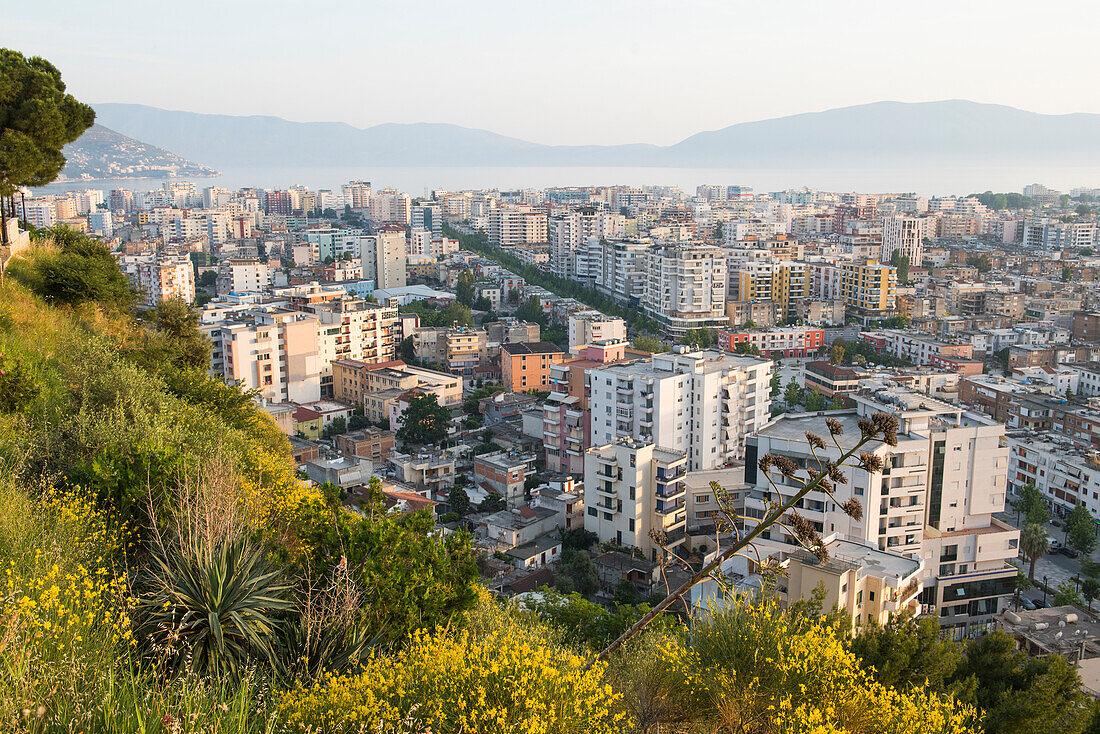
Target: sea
[{"x": 926, "y": 180}]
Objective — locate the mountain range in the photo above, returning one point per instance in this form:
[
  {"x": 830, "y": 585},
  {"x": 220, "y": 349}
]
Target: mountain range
[
  {"x": 877, "y": 134},
  {"x": 101, "y": 153}
]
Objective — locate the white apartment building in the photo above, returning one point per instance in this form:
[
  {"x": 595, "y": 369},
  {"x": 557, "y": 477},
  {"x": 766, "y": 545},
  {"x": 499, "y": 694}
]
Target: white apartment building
[
  {"x": 516, "y": 227},
  {"x": 631, "y": 488},
  {"x": 242, "y": 275},
  {"x": 1064, "y": 470},
  {"x": 269, "y": 349},
  {"x": 703, "y": 404},
  {"x": 389, "y": 206},
  {"x": 162, "y": 278},
  {"x": 589, "y": 327},
  {"x": 934, "y": 499},
  {"x": 570, "y": 233},
  {"x": 616, "y": 268},
  {"x": 384, "y": 258},
  {"x": 905, "y": 235},
  {"x": 686, "y": 287}
]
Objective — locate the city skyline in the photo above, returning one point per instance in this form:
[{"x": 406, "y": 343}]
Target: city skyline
[{"x": 478, "y": 63}]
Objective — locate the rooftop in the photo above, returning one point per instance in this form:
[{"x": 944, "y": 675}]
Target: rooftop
[{"x": 531, "y": 348}]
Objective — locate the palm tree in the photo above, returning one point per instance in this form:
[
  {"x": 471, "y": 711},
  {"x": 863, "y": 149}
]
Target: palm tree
[{"x": 1033, "y": 544}]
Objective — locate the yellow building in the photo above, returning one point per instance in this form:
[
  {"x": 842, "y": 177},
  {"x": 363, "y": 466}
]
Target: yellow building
[
  {"x": 783, "y": 282},
  {"x": 869, "y": 287}
]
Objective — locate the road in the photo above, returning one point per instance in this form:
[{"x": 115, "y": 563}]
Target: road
[{"x": 1054, "y": 567}]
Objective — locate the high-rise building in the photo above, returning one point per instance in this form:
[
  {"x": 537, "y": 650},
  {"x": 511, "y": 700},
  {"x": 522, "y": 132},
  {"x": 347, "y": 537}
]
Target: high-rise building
[
  {"x": 686, "y": 287},
  {"x": 571, "y": 232},
  {"x": 934, "y": 499},
  {"x": 869, "y": 288},
  {"x": 162, "y": 278},
  {"x": 516, "y": 227},
  {"x": 268, "y": 349},
  {"x": 701, "y": 403},
  {"x": 904, "y": 235},
  {"x": 357, "y": 194},
  {"x": 633, "y": 489},
  {"x": 390, "y": 206},
  {"x": 427, "y": 216}
]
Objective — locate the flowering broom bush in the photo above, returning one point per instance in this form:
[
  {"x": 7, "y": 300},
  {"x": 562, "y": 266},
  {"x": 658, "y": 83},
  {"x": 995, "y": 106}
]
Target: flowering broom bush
[
  {"x": 450, "y": 683},
  {"x": 753, "y": 669}
]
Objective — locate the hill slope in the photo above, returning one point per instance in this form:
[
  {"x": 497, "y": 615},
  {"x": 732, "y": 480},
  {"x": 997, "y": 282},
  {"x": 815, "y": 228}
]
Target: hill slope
[
  {"x": 865, "y": 135},
  {"x": 102, "y": 153}
]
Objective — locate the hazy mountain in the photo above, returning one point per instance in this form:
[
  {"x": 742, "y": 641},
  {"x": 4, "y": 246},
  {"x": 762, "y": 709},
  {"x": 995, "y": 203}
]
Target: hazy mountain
[
  {"x": 102, "y": 153},
  {"x": 865, "y": 135}
]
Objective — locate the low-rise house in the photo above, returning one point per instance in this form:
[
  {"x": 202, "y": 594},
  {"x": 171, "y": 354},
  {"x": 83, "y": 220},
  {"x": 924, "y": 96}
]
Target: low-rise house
[
  {"x": 614, "y": 567},
  {"x": 504, "y": 405},
  {"x": 504, "y": 474},
  {"x": 517, "y": 526},
  {"x": 371, "y": 443},
  {"x": 424, "y": 471},
  {"x": 536, "y": 554},
  {"x": 347, "y": 471}
]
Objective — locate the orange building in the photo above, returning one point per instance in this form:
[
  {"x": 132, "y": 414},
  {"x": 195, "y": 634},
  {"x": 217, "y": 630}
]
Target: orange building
[{"x": 526, "y": 367}]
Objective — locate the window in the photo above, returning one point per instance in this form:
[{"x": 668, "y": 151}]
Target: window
[
  {"x": 859, "y": 598},
  {"x": 870, "y": 596}
]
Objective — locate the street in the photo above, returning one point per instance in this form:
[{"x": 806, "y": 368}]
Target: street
[{"x": 1055, "y": 567}]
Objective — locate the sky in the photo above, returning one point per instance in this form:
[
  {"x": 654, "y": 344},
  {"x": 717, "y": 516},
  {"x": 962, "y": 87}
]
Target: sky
[{"x": 564, "y": 72}]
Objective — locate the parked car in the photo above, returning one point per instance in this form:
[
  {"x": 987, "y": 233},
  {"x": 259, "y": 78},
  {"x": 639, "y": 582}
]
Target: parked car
[
  {"x": 1068, "y": 552},
  {"x": 1027, "y": 604},
  {"x": 1040, "y": 604}
]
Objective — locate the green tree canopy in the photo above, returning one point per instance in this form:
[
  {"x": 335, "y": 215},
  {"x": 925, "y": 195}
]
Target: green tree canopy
[
  {"x": 425, "y": 421},
  {"x": 37, "y": 119},
  {"x": 464, "y": 290},
  {"x": 75, "y": 269},
  {"x": 793, "y": 394},
  {"x": 1081, "y": 530},
  {"x": 180, "y": 323},
  {"x": 531, "y": 311},
  {"x": 908, "y": 653},
  {"x": 1020, "y": 693}
]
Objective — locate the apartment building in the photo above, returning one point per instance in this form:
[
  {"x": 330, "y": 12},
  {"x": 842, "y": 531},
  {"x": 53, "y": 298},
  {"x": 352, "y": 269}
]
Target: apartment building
[
  {"x": 162, "y": 278},
  {"x": 918, "y": 348},
  {"x": 905, "y": 235},
  {"x": 526, "y": 367},
  {"x": 934, "y": 499},
  {"x": 426, "y": 472},
  {"x": 703, "y": 404},
  {"x": 793, "y": 341},
  {"x": 869, "y": 584},
  {"x": 869, "y": 289},
  {"x": 633, "y": 489},
  {"x": 686, "y": 287},
  {"x": 590, "y": 327},
  {"x": 784, "y": 282},
  {"x": 571, "y": 232},
  {"x": 371, "y": 442},
  {"x": 504, "y": 474},
  {"x": 516, "y": 227},
  {"x": 389, "y": 206},
  {"x": 1065, "y": 470},
  {"x": 355, "y": 381},
  {"x": 615, "y": 268},
  {"x": 565, "y": 413},
  {"x": 243, "y": 275},
  {"x": 459, "y": 349},
  {"x": 272, "y": 350}
]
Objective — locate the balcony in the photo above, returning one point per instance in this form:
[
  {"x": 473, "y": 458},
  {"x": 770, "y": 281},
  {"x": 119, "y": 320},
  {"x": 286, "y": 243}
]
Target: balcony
[
  {"x": 668, "y": 507},
  {"x": 670, "y": 489}
]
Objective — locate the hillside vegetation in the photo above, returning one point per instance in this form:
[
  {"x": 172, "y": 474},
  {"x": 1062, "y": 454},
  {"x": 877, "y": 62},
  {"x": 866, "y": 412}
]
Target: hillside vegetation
[{"x": 166, "y": 571}]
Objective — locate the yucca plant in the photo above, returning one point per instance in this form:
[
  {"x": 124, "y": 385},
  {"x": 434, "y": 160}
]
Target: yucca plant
[{"x": 214, "y": 609}]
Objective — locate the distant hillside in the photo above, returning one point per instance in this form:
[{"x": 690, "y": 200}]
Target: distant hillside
[
  {"x": 876, "y": 134},
  {"x": 102, "y": 153}
]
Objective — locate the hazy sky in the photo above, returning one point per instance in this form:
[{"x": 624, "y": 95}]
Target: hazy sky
[{"x": 586, "y": 71}]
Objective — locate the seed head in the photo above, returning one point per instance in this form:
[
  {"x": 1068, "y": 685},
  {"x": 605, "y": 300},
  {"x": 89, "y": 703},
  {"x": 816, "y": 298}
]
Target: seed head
[
  {"x": 786, "y": 466},
  {"x": 814, "y": 440},
  {"x": 853, "y": 508},
  {"x": 834, "y": 426},
  {"x": 871, "y": 463}
]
